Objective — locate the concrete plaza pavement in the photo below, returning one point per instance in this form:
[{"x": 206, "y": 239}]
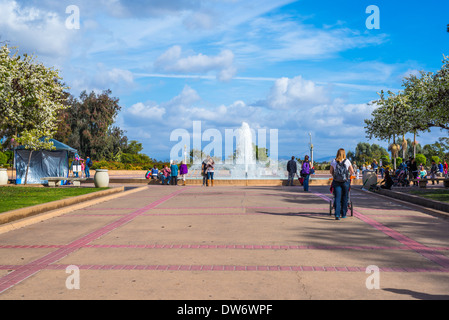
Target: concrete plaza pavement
[{"x": 256, "y": 243}]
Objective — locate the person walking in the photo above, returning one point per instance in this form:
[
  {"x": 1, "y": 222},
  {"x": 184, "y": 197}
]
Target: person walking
[
  {"x": 183, "y": 170},
  {"x": 292, "y": 170},
  {"x": 174, "y": 173},
  {"x": 305, "y": 173},
  {"x": 341, "y": 171}
]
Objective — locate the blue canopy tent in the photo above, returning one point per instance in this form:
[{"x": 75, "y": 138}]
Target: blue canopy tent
[{"x": 44, "y": 163}]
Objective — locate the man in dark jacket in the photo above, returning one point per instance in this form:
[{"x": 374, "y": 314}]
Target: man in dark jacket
[
  {"x": 291, "y": 168},
  {"x": 87, "y": 168}
]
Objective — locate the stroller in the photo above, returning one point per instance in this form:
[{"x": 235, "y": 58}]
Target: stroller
[
  {"x": 332, "y": 202},
  {"x": 400, "y": 180}
]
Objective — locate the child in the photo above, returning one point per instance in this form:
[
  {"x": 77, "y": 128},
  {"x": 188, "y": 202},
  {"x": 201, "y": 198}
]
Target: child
[{"x": 82, "y": 167}]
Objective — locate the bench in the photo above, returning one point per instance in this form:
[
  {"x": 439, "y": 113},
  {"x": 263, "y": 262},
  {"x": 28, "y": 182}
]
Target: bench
[
  {"x": 56, "y": 181},
  {"x": 423, "y": 182}
]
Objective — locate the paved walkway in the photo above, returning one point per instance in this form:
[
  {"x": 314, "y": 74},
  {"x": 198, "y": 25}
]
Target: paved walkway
[{"x": 169, "y": 242}]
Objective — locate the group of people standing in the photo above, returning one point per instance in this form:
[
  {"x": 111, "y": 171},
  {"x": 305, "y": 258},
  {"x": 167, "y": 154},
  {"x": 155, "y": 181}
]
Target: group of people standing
[
  {"x": 169, "y": 175},
  {"x": 304, "y": 174},
  {"x": 207, "y": 171},
  {"x": 80, "y": 168}
]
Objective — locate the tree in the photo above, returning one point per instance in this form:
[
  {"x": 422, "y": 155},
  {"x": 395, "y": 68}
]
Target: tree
[
  {"x": 429, "y": 96},
  {"x": 88, "y": 126},
  {"x": 436, "y": 104},
  {"x": 422, "y": 105},
  {"x": 31, "y": 95},
  {"x": 133, "y": 147},
  {"x": 433, "y": 150},
  {"x": 394, "y": 117},
  {"x": 420, "y": 159},
  {"x": 366, "y": 153}
]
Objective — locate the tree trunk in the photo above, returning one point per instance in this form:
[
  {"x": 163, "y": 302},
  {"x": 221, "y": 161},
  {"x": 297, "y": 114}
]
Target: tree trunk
[
  {"x": 414, "y": 144},
  {"x": 28, "y": 166},
  {"x": 394, "y": 153}
]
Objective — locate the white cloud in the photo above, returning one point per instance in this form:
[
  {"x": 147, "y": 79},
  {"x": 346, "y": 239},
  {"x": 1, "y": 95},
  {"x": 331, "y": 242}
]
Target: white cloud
[
  {"x": 222, "y": 64},
  {"x": 34, "y": 30},
  {"x": 200, "y": 21},
  {"x": 147, "y": 112},
  {"x": 293, "y": 93}
]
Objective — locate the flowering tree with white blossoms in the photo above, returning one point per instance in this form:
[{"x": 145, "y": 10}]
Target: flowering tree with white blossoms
[{"x": 30, "y": 97}]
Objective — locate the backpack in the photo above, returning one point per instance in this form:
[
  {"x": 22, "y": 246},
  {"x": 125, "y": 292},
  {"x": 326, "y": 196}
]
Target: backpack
[
  {"x": 305, "y": 169},
  {"x": 341, "y": 173}
]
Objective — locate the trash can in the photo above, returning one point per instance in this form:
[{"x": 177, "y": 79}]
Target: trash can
[
  {"x": 3, "y": 177},
  {"x": 101, "y": 178},
  {"x": 369, "y": 178}
]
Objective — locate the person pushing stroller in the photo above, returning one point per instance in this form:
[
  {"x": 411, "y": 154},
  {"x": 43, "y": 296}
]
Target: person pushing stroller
[{"x": 341, "y": 171}]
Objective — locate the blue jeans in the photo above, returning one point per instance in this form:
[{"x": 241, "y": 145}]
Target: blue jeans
[
  {"x": 341, "y": 192},
  {"x": 87, "y": 172},
  {"x": 306, "y": 182},
  {"x": 210, "y": 176},
  {"x": 164, "y": 178},
  {"x": 291, "y": 178}
]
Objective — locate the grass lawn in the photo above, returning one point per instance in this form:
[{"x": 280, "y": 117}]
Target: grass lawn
[
  {"x": 12, "y": 198},
  {"x": 438, "y": 195}
]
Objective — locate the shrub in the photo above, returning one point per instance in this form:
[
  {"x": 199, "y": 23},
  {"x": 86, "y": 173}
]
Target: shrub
[
  {"x": 3, "y": 159},
  {"x": 420, "y": 159},
  {"x": 436, "y": 159}
]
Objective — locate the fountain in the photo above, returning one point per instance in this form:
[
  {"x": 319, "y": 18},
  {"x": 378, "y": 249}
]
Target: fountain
[
  {"x": 244, "y": 165},
  {"x": 245, "y": 161}
]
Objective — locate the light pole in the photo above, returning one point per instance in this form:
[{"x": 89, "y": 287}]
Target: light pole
[{"x": 311, "y": 148}]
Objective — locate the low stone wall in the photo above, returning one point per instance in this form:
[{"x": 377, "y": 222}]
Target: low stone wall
[
  {"x": 229, "y": 182},
  {"x": 437, "y": 205}
]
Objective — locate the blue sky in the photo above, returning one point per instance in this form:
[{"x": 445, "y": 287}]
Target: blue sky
[{"x": 297, "y": 66}]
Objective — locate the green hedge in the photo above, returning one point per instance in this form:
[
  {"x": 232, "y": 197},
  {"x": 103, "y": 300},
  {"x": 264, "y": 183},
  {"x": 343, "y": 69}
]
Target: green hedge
[{"x": 113, "y": 165}]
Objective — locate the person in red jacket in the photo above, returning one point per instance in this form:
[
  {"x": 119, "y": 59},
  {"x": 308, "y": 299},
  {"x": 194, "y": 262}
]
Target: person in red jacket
[{"x": 445, "y": 168}]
